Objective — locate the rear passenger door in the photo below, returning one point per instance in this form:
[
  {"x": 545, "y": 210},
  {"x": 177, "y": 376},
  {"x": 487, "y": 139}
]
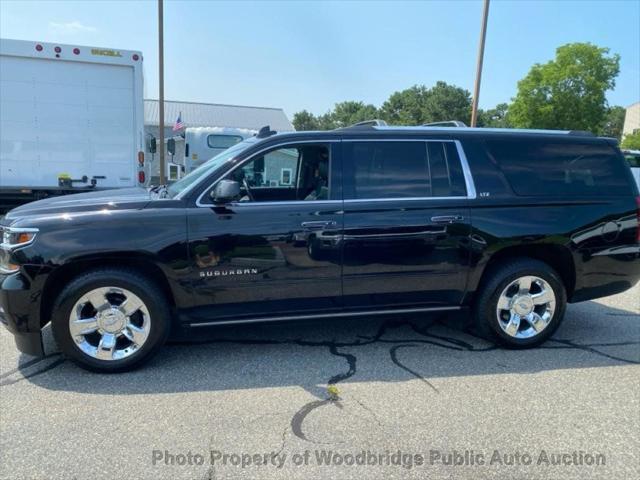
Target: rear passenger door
[{"x": 406, "y": 222}]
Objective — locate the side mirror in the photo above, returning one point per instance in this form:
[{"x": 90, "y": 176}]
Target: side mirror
[
  {"x": 152, "y": 145},
  {"x": 171, "y": 146},
  {"x": 225, "y": 191}
]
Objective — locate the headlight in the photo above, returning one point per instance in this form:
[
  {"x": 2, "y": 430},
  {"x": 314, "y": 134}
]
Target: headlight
[{"x": 13, "y": 237}]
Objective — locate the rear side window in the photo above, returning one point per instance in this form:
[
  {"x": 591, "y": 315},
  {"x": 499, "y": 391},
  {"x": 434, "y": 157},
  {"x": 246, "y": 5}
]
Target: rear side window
[
  {"x": 542, "y": 168},
  {"x": 633, "y": 159},
  {"x": 389, "y": 169},
  {"x": 447, "y": 179},
  {"x": 409, "y": 169}
]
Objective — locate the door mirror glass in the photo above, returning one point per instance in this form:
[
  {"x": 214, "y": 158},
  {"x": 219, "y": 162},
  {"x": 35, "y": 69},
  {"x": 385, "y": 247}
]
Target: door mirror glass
[{"x": 225, "y": 191}]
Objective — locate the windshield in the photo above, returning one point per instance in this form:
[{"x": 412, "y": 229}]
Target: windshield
[{"x": 208, "y": 167}]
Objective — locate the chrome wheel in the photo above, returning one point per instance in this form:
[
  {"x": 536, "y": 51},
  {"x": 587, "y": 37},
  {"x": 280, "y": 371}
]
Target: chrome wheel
[
  {"x": 109, "y": 323},
  {"x": 526, "y": 307}
]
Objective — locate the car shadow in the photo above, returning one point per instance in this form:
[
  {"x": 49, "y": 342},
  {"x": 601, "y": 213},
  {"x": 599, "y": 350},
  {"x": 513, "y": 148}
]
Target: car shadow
[{"x": 320, "y": 354}]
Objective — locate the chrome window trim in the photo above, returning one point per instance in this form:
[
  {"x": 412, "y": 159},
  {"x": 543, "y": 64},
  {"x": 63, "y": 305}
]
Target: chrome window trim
[
  {"x": 284, "y": 202},
  {"x": 248, "y": 159},
  {"x": 466, "y": 170}
]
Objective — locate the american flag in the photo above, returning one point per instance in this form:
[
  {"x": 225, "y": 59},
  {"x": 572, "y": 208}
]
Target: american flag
[{"x": 179, "y": 123}]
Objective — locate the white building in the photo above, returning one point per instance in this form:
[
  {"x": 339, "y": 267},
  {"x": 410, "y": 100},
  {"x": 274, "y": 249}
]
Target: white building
[{"x": 631, "y": 119}]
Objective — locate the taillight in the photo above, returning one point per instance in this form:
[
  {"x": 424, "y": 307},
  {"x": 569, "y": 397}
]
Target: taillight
[
  {"x": 39, "y": 47},
  {"x": 141, "y": 177},
  {"x": 141, "y": 158}
]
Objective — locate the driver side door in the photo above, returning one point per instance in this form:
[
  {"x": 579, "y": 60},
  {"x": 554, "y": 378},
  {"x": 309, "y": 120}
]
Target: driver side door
[{"x": 275, "y": 250}]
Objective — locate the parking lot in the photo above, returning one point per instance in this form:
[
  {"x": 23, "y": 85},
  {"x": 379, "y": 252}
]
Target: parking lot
[{"x": 380, "y": 393}]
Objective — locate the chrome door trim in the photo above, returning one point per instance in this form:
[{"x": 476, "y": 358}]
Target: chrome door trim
[{"x": 325, "y": 315}]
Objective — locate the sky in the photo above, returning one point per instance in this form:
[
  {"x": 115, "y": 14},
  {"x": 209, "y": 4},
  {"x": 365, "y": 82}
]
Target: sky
[{"x": 309, "y": 55}]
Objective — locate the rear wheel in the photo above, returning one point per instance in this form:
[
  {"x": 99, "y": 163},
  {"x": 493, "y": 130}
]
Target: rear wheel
[
  {"x": 521, "y": 304},
  {"x": 110, "y": 320}
]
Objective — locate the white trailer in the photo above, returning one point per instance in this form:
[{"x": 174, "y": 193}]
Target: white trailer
[
  {"x": 203, "y": 143},
  {"x": 71, "y": 119}
]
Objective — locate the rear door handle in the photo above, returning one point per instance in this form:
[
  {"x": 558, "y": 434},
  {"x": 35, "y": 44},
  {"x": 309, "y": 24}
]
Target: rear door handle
[
  {"x": 447, "y": 218},
  {"x": 318, "y": 225}
]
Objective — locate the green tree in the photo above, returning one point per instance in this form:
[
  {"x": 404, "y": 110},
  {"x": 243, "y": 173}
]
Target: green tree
[
  {"x": 447, "y": 102},
  {"x": 494, "y": 117},
  {"x": 350, "y": 112},
  {"x": 613, "y": 122},
  {"x": 305, "y": 120},
  {"x": 567, "y": 92},
  {"x": 405, "y": 107},
  {"x": 631, "y": 141}
]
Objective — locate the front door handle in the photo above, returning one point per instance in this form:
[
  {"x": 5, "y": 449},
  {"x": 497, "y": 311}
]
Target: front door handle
[
  {"x": 318, "y": 225},
  {"x": 447, "y": 218}
]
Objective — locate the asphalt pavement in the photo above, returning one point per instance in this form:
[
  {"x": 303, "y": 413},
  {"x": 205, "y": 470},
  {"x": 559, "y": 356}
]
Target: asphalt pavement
[{"x": 402, "y": 397}]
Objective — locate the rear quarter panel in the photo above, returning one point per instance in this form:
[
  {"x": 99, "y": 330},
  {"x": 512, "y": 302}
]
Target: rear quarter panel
[{"x": 599, "y": 233}]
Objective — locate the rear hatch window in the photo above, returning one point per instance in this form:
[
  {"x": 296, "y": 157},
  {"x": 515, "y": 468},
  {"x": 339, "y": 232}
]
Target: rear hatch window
[{"x": 538, "y": 167}]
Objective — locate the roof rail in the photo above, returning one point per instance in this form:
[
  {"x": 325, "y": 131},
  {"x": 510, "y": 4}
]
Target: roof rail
[
  {"x": 370, "y": 123},
  {"x": 446, "y": 123},
  {"x": 582, "y": 133}
]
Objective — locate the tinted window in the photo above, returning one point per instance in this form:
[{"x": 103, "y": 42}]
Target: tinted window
[
  {"x": 223, "y": 141},
  {"x": 539, "y": 167},
  {"x": 633, "y": 159},
  {"x": 404, "y": 169},
  {"x": 447, "y": 179},
  {"x": 389, "y": 169}
]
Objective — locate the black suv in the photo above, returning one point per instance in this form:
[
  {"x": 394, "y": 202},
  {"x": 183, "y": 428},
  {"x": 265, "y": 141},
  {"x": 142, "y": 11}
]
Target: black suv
[{"x": 362, "y": 221}]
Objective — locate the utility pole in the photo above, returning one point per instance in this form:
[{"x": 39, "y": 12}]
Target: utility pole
[
  {"x": 161, "y": 89},
  {"x": 476, "y": 89}
]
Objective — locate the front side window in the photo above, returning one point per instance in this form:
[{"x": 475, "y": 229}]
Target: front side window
[
  {"x": 223, "y": 141},
  {"x": 404, "y": 169},
  {"x": 292, "y": 173}
]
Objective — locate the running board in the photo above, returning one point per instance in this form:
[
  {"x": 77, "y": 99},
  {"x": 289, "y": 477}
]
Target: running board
[{"x": 325, "y": 315}]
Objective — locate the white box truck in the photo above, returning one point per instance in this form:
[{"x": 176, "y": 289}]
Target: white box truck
[{"x": 71, "y": 119}]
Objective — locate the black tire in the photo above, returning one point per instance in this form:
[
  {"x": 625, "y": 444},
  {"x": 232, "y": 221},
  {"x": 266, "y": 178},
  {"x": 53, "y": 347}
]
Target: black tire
[
  {"x": 485, "y": 317},
  {"x": 147, "y": 290}
]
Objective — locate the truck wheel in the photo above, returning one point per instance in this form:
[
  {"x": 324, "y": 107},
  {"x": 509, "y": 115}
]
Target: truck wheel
[
  {"x": 110, "y": 320},
  {"x": 522, "y": 303}
]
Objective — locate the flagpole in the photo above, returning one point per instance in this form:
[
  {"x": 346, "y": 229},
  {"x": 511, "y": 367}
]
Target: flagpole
[
  {"x": 161, "y": 89},
  {"x": 476, "y": 90}
]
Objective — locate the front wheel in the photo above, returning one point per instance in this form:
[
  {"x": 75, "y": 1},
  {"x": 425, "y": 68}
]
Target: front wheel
[
  {"x": 522, "y": 303},
  {"x": 110, "y": 320}
]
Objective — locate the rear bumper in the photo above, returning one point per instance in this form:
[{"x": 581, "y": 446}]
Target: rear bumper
[{"x": 607, "y": 273}]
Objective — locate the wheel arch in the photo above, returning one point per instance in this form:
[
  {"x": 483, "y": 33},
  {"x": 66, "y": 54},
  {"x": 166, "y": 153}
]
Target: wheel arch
[
  {"x": 61, "y": 276},
  {"x": 558, "y": 257}
]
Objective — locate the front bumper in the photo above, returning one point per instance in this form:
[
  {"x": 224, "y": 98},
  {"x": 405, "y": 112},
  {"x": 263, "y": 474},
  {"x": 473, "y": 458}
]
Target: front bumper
[{"x": 17, "y": 302}]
